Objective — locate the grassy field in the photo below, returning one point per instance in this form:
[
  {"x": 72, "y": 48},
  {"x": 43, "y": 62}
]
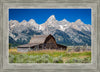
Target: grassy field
[{"x": 49, "y": 56}]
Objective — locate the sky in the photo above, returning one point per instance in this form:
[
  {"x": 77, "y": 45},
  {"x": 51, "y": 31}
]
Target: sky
[{"x": 41, "y": 15}]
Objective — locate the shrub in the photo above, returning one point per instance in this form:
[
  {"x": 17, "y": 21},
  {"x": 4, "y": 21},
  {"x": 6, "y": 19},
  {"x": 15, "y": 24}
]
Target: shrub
[
  {"x": 77, "y": 49},
  {"x": 86, "y": 60},
  {"x": 40, "y": 60},
  {"x": 57, "y": 60},
  {"x": 11, "y": 58},
  {"x": 45, "y": 56},
  {"x": 78, "y": 60},
  {"x": 74, "y": 60},
  {"x": 46, "y": 61}
]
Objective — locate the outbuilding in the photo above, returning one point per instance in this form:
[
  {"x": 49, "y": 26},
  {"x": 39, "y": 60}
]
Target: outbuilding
[{"x": 40, "y": 42}]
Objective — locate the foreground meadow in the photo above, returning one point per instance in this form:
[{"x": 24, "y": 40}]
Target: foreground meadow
[{"x": 49, "y": 56}]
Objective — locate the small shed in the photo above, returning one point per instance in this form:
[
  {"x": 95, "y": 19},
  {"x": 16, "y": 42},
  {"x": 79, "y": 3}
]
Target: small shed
[{"x": 40, "y": 42}]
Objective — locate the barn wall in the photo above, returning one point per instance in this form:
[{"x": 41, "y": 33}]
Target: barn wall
[
  {"x": 60, "y": 47},
  {"x": 34, "y": 48},
  {"x": 23, "y": 49},
  {"x": 50, "y": 43}
]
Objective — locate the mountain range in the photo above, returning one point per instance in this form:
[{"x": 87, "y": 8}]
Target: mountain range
[{"x": 65, "y": 32}]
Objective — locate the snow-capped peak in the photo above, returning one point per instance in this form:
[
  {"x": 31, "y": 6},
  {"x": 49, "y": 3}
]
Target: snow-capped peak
[
  {"x": 51, "y": 20},
  {"x": 64, "y": 20},
  {"x": 79, "y": 21},
  {"x": 31, "y": 21},
  {"x": 52, "y": 17},
  {"x": 13, "y": 21},
  {"x": 24, "y": 21}
]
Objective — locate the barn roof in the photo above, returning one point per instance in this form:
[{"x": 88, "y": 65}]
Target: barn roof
[
  {"x": 28, "y": 45},
  {"x": 38, "y": 39}
]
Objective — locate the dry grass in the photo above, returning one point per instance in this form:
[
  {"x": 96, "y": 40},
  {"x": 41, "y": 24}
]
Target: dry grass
[
  {"x": 46, "y": 51},
  {"x": 39, "y": 51},
  {"x": 12, "y": 50}
]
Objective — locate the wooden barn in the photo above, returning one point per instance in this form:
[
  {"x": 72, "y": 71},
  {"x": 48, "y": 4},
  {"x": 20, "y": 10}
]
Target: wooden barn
[{"x": 40, "y": 42}]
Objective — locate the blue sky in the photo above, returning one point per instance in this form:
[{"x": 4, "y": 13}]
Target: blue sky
[{"x": 41, "y": 15}]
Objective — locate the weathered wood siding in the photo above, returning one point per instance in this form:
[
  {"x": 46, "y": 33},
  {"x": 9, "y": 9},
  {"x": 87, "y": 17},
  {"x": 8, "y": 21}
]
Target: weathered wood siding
[
  {"x": 61, "y": 47},
  {"x": 50, "y": 43}
]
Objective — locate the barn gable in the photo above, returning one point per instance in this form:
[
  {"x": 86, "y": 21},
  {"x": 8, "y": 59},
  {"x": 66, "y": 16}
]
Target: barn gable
[
  {"x": 50, "y": 39},
  {"x": 50, "y": 42}
]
